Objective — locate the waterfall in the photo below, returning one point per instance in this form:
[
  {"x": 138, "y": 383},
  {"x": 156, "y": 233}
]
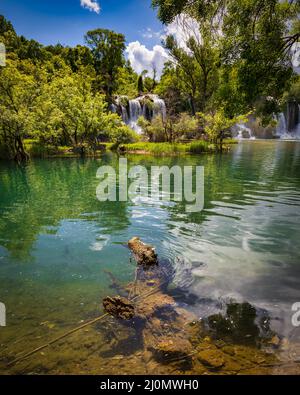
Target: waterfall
[
  {"x": 242, "y": 132},
  {"x": 281, "y": 129},
  {"x": 288, "y": 124},
  {"x": 159, "y": 107},
  {"x": 124, "y": 114},
  {"x": 138, "y": 107},
  {"x": 135, "y": 111}
]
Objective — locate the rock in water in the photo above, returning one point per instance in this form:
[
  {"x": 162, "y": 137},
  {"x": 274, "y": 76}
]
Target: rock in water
[
  {"x": 144, "y": 253},
  {"x": 119, "y": 307}
]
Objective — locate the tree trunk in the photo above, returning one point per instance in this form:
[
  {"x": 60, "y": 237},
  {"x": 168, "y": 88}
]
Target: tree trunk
[{"x": 21, "y": 155}]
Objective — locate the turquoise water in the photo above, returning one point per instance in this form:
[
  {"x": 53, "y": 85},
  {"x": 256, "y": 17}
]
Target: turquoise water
[{"x": 57, "y": 241}]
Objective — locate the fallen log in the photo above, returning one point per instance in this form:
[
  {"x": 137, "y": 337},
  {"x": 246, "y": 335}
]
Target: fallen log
[
  {"x": 161, "y": 325},
  {"x": 144, "y": 254},
  {"x": 119, "y": 307}
]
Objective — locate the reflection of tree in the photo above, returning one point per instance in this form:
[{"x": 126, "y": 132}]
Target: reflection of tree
[
  {"x": 272, "y": 164},
  {"x": 240, "y": 324},
  {"x": 44, "y": 192}
]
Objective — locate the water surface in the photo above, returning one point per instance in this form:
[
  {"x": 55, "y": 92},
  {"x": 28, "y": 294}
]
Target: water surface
[{"x": 57, "y": 242}]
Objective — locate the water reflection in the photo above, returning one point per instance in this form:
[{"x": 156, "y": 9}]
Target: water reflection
[{"x": 57, "y": 240}]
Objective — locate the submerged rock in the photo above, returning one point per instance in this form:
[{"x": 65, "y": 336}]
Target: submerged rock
[
  {"x": 172, "y": 348},
  {"x": 119, "y": 307},
  {"x": 211, "y": 358}
]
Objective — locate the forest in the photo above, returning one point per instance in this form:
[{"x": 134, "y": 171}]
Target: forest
[{"x": 236, "y": 62}]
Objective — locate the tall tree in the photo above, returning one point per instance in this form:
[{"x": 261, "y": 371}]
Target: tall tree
[
  {"x": 107, "y": 49},
  {"x": 255, "y": 38}
]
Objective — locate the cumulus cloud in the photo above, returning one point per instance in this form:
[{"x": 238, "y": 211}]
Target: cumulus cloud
[
  {"x": 142, "y": 58},
  {"x": 182, "y": 28},
  {"x": 91, "y": 5}
]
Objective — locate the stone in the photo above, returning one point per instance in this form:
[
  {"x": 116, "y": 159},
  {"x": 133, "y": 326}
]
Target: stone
[
  {"x": 119, "y": 307},
  {"x": 173, "y": 347},
  {"x": 211, "y": 358}
]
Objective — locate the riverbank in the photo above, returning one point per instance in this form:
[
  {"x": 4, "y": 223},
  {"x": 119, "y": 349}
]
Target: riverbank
[
  {"x": 169, "y": 149},
  {"x": 36, "y": 150}
]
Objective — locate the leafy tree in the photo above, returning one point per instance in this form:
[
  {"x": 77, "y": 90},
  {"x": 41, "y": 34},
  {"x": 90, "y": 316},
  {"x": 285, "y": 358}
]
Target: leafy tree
[
  {"x": 69, "y": 112},
  {"x": 107, "y": 49},
  {"x": 126, "y": 81},
  {"x": 188, "y": 68},
  {"x": 140, "y": 85},
  {"x": 18, "y": 92},
  {"x": 217, "y": 124},
  {"x": 254, "y": 38}
]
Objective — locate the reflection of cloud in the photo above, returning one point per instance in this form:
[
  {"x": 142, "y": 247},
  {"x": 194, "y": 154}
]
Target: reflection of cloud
[
  {"x": 91, "y": 5},
  {"x": 142, "y": 58},
  {"x": 99, "y": 244}
]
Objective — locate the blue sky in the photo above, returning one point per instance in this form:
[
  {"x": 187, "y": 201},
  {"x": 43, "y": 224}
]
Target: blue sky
[{"x": 66, "y": 22}]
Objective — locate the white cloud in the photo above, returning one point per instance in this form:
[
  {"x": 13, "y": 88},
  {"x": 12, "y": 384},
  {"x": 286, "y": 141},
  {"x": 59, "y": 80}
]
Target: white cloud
[
  {"x": 91, "y": 5},
  {"x": 149, "y": 33},
  {"x": 142, "y": 58},
  {"x": 182, "y": 29}
]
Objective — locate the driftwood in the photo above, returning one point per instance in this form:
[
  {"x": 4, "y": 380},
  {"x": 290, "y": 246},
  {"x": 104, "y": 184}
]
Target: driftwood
[
  {"x": 119, "y": 307},
  {"x": 144, "y": 254},
  {"x": 162, "y": 325}
]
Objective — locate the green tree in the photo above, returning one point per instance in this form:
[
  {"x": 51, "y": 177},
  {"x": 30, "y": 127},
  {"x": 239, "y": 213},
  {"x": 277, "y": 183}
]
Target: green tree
[
  {"x": 140, "y": 85},
  {"x": 18, "y": 91},
  {"x": 107, "y": 49},
  {"x": 217, "y": 124}
]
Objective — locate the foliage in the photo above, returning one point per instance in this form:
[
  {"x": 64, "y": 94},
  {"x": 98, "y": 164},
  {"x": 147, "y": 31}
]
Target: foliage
[
  {"x": 18, "y": 92},
  {"x": 123, "y": 135},
  {"x": 216, "y": 125},
  {"x": 198, "y": 147},
  {"x": 239, "y": 58},
  {"x": 107, "y": 49},
  {"x": 58, "y": 95},
  {"x": 159, "y": 149},
  {"x": 186, "y": 126}
]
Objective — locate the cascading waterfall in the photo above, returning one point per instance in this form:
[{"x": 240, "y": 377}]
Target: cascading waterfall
[
  {"x": 288, "y": 124},
  {"x": 240, "y": 131},
  {"x": 135, "y": 111},
  {"x": 159, "y": 107},
  {"x": 138, "y": 107},
  {"x": 124, "y": 114}
]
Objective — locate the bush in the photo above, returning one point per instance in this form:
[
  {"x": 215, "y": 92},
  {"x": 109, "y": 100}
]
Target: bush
[
  {"x": 123, "y": 135},
  {"x": 197, "y": 147},
  {"x": 186, "y": 126}
]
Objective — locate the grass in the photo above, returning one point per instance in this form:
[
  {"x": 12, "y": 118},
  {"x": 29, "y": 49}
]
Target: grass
[
  {"x": 195, "y": 147},
  {"x": 198, "y": 147},
  {"x": 37, "y": 150},
  {"x": 156, "y": 148}
]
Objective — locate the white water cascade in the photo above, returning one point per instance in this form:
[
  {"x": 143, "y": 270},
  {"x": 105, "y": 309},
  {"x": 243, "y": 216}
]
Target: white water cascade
[
  {"x": 242, "y": 132},
  {"x": 287, "y": 128},
  {"x": 159, "y": 108},
  {"x": 138, "y": 107},
  {"x": 135, "y": 111}
]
